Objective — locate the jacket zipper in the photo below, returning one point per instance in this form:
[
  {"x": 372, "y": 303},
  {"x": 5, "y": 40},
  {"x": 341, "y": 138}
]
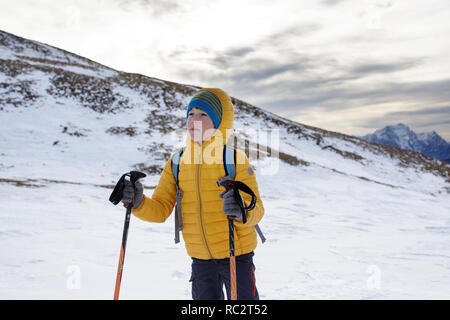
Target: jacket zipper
[{"x": 201, "y": 216}]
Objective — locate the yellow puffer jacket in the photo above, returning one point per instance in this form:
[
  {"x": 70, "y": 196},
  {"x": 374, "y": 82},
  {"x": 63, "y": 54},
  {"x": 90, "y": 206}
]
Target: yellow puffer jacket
[{"x": 205, "y": 226}]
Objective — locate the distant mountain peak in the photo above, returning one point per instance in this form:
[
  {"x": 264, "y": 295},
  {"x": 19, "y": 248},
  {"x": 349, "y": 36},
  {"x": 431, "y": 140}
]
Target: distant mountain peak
[{"x": 401, "y": 136}]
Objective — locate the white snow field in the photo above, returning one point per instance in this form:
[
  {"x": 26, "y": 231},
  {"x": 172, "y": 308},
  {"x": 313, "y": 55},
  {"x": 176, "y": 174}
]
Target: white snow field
[{"x": 329, "y": 237}]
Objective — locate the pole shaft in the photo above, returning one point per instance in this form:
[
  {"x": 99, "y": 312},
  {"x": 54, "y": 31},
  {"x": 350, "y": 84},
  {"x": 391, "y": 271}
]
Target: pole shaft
[
  {"x": 122, "y": 252},
  {"x": 232, "y": 260}
]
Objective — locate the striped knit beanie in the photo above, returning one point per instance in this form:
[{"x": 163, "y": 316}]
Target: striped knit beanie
[{"x": 208, "y": 102}]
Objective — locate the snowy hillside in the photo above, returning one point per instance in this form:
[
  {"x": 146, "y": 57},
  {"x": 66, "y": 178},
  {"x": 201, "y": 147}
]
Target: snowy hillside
[
  {"x": 345, "y": 218},
  {"x": 401, "y": 136}
]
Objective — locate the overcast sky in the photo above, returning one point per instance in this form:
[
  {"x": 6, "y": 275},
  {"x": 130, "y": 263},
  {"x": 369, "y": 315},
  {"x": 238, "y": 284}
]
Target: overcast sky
[{"x": 351, "y": 66}]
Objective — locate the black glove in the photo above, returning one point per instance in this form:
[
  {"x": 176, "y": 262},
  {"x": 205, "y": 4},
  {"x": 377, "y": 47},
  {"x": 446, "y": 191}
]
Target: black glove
[
  {"x": 128, "y": 194},
  {"x": 230, "y": 206}
]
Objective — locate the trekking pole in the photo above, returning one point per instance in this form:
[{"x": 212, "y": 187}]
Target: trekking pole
[
  {"x": 122, "y": 251},
  {"x": 115, "y": 198},
  {"x": 236, "y": 186},
  {"x": 232, "y": 259}
]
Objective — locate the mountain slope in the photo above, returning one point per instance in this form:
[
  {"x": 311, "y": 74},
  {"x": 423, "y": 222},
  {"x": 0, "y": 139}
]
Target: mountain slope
[
  {"x": 345, "y": 218},
  {"x": 57, "y": 84}
]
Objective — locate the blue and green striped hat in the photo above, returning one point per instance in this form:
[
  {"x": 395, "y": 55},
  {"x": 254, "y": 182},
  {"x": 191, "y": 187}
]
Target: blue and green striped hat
[{"x": 209, "y": 103}]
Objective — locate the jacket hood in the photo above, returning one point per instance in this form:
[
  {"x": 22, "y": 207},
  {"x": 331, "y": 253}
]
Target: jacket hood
[{"x": 222, "y": 133}]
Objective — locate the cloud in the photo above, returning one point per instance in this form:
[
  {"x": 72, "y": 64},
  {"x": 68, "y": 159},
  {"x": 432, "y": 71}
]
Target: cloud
[
  {"x": 420, "y": 92},
  {"x": 239, "y": 51},
  {"x": 426, "y": 117},
  {"x": 158, "y": 8},
  {"x": 444, "y": 110},
  {"x": 230, "y": 57},
  {"x": 340, "y": 87},
  {"x": 322, "y": 93},
  {"x": 387, "y": 67},
  {"x": 331, "y": 2},
  {"x": 264, "y": 71},
  {"x": 287, "y": 34}
]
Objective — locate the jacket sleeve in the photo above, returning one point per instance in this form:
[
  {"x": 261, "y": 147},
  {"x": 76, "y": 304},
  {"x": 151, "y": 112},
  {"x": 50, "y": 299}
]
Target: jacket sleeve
[
  {"x": 246, "y": 174},
  {"x": 159, "y": 207}
]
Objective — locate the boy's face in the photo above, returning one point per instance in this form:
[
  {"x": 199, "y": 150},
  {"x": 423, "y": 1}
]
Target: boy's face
[{"x": 199, "y": 125}]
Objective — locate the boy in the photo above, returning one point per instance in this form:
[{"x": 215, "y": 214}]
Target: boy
[{"x": 205, "y": 207}]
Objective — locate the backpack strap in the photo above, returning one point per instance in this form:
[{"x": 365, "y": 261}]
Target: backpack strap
[
  {"x": 175, "y": 170},
  {"x": 229, "y": 164}
]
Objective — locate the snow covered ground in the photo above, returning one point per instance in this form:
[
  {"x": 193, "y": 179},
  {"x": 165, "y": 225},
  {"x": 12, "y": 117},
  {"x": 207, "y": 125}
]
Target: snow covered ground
[{"x": 330, "y": 236}]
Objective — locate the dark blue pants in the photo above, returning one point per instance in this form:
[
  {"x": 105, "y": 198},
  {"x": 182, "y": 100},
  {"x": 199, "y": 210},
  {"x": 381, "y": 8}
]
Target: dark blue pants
[{"x": 209, "y": 276}]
